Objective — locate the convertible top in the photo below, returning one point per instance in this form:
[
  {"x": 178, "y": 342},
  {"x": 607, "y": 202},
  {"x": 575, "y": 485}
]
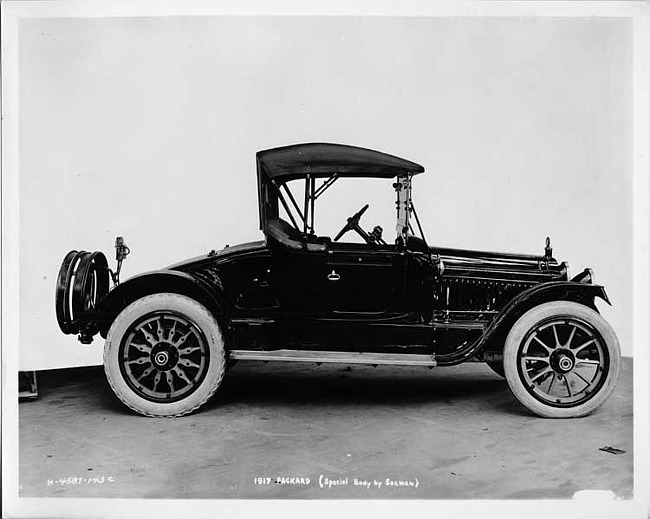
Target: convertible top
[{"x": 323, "y": 160}]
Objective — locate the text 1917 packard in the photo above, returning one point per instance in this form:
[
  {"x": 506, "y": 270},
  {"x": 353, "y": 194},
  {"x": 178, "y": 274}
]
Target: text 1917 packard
[{"x": 301, "y": 297}]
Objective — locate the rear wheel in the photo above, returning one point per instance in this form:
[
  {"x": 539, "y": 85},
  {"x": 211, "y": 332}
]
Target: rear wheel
[
  {"x": 164, "y": 355},
  {"x": 561, "y": 360}
]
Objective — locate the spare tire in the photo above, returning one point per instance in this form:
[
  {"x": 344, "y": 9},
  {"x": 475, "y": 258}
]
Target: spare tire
[
  {"x": 82, "y": 282},
  {"x": 62, "y": 305}
]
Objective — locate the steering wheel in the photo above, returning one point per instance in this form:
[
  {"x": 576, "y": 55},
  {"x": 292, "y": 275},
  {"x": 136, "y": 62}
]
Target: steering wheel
[{"x": 353, "y": 223}]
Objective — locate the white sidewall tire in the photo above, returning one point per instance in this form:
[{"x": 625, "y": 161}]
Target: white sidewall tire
[
  {"x": 196, "y": 313},
  {"x": 528, "y": 321}
]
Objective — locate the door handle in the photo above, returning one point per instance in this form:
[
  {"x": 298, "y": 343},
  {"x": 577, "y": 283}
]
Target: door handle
[{"x": 333, "y": 276}]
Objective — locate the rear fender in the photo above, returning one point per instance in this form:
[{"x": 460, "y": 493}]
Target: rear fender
[
  {"x": 210, "y": 296},
  {"x": 583, "y": 293}
]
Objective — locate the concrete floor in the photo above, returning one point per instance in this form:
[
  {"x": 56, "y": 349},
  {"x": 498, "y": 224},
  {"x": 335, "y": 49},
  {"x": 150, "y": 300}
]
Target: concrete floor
[{"x": 455, "y": 432}]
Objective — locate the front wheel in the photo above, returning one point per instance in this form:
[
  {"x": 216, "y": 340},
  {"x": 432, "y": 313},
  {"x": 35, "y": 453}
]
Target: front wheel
[
  {"x": 561, "y": 360},
  {"x": 164, "y": 355}
]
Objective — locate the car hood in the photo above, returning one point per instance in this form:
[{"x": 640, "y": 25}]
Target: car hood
[
  {"x": 220, "y": 256},
  {"x": 497, "y": 264}
]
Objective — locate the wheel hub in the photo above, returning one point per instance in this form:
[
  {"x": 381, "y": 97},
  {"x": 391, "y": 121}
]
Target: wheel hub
[
  {"x": 562, "y": 360},
  {"x": 164, "y": 356}
]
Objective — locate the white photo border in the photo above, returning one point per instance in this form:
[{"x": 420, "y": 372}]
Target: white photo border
[{"x": 14, "y": 506}]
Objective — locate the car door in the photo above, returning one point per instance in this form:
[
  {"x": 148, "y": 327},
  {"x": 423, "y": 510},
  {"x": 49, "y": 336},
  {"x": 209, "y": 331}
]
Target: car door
[
  {"x": 332, "y": 294},
  {"x": 365, "y": 279}
]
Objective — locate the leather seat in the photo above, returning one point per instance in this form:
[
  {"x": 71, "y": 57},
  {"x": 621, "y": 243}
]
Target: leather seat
[{"x": 285, "y": 233}]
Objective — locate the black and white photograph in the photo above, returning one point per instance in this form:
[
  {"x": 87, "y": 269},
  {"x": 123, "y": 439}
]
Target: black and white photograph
[{"x": 352, "y": 259}]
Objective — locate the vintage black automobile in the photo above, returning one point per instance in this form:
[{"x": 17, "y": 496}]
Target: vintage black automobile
[{"x": 301, "y": 297}]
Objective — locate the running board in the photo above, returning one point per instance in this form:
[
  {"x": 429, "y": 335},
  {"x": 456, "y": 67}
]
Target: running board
[{"x": 337, "y": 357}]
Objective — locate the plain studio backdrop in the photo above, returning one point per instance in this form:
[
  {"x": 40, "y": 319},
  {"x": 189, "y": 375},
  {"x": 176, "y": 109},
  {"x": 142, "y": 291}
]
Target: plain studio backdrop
[{"x": 147, "y": 128}]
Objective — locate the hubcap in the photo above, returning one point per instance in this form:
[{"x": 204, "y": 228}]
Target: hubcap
[
  {"x": 563, "y": 361},
  {"x": 164, "y": 357}
]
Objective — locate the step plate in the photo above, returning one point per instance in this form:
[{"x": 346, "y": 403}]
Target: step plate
[{"x": 336, "y": 357}]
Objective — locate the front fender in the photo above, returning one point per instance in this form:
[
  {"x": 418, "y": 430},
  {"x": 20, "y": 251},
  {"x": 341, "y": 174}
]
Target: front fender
[
  {"x": 582, "y": 293},
  {"x": 209, "y": 295},
  {"x": 495, "y": 334}
]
